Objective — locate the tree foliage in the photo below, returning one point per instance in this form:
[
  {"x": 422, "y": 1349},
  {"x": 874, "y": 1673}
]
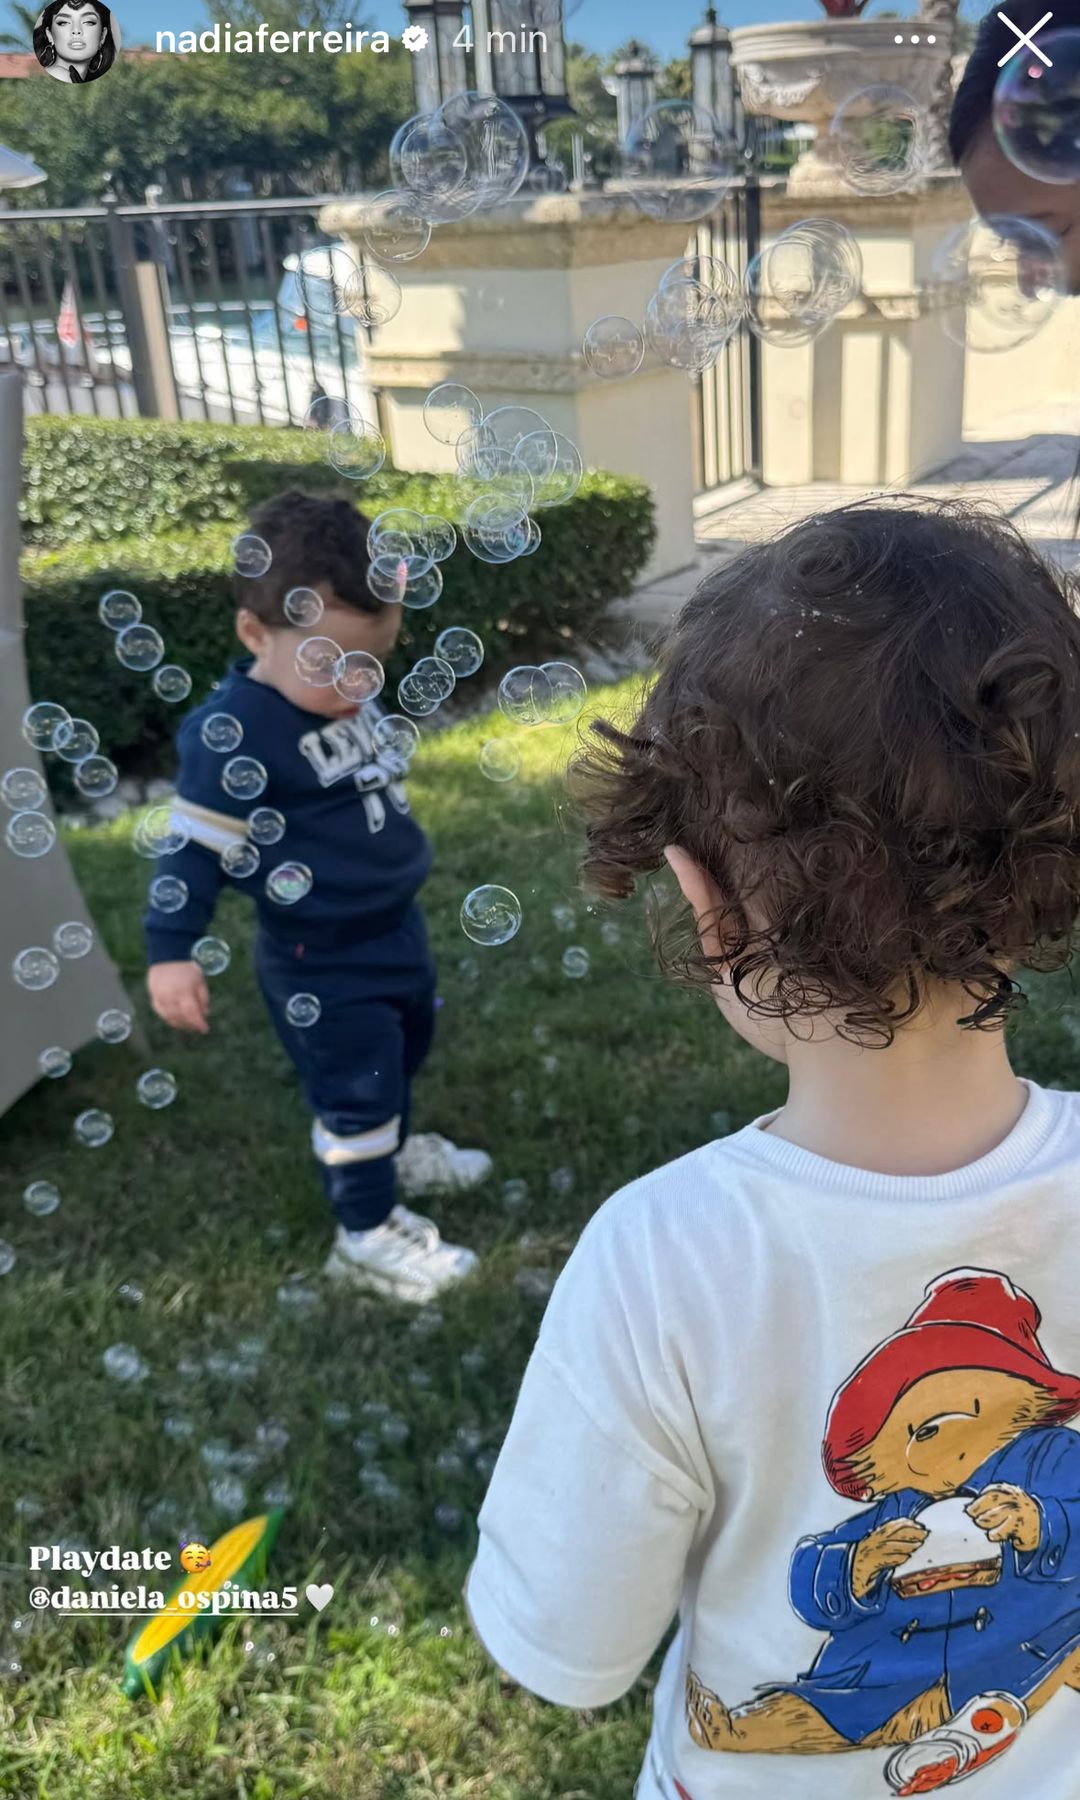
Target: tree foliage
[{"x": 195, "y": 123}]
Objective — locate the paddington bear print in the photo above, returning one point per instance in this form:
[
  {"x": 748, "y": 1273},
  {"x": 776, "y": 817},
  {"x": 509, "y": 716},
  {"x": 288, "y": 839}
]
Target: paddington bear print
[{"x": 949, "y": 1597}]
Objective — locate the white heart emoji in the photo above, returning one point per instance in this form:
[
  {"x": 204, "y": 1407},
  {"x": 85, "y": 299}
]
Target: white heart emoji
[{"x": 320, "y": 1596}]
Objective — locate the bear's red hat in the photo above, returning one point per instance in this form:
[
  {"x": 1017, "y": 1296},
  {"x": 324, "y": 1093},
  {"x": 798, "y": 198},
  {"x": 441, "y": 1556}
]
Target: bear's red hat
[{"x": 968, "y": 1319}]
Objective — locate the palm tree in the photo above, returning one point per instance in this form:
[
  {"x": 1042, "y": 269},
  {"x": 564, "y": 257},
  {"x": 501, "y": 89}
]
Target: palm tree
[
  {"x": 942, "y": 18},
  {"x": 27, "y": 17}
]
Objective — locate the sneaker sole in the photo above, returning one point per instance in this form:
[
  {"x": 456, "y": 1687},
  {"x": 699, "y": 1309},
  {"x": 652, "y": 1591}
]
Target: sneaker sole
[{"x": 340, "y": 1268}]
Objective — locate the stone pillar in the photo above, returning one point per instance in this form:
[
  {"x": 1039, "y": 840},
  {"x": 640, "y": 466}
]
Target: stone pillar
[
  {"x": 502, "y": 301},
  {"x": 35, "y": 896},
  {"x": 878, "y": 399}
]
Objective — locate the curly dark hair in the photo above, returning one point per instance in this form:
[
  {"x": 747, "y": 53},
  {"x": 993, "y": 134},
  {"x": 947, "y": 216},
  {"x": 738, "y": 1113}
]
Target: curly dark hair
[
  {"x": 974, "y": 103},
  {"x": 868, "y": 726},
  {"x": 100, "y": 63},
  {"x": 311, "y": 540}
]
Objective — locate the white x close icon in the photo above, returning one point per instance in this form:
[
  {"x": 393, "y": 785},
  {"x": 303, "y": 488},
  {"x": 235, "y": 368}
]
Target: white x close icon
[{"x": 1025, "y": 37}]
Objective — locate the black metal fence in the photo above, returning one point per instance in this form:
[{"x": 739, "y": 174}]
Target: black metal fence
[
  {"x": 727, "y": 433},
  {"x": 220, "y": 311}
]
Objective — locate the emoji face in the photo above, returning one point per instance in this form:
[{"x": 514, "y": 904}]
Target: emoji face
[{"x": 194, "y": 1557}]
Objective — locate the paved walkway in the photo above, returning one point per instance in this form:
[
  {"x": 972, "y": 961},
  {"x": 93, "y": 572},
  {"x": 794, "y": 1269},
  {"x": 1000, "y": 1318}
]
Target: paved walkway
[{"x": 1028, "y": 471}]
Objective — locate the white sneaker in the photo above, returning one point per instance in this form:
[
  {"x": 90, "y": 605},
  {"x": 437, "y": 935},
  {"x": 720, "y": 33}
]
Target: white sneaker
[
  {"x": 430, "y": 1164},
  {"x": 404, "y": 1258}
]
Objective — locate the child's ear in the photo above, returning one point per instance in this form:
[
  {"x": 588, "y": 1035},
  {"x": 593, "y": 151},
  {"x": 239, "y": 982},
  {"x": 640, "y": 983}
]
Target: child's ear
[
  {"x": 702, "y": 896},
  {"x": 251, "y": 631}
]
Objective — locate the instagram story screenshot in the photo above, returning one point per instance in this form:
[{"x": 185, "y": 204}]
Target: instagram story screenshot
[{"x": 539, "y": 882}]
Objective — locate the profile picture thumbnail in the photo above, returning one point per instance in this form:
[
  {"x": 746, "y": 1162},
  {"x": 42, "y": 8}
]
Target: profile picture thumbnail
[{"x": 76, "y": 40}]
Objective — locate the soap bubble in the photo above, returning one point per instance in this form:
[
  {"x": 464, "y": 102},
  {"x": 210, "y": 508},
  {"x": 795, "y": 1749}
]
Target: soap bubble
[
  {"x": 221, "y": 732},
  {"x": 289, "y": 882},
  {"x": 688, "y": 323},
  {"x": 172, "y": 683},
  {"x": 495, "y": 142},
  {"x": 239, "y": 860},
  {"x": 429, "y": 679},
  {"x": 523, "y": 694},
  {"x": 303, "y": 1010},
  {"x": 24, "y": 790},
  {"x": 879, "y": 135},
  {"x": 416, "y": 699},
  {"x": 251, "y": 555},
  {"x": 418, "y": 581},
  {"x": 678, "y": 161},
  {"x": 575, "y": 961},
  {"x": 114, "y": 1025},
  {"x": 117, "y": 609},
  {"x": 461, "y": 648},
  {"x": 123, "y": 1363},
  {"x": 212, "y": 955},
  {"x": 73, "y": 939},
  {"x": 450, "y": 410},
  {"x": 358, "y": 676},
  {"x": 439, "y": 539},
  {"x": 55, "y": 1062},
  {"x": 243, "y": 777},
  {"x": 96, "y": 777},
  {"x": 139, "y": 647},
  {"x": 613, "y": 346},
  {"x": 396, "y": 231},
  {"x": 327, "y": 410},
  {"x": 999, "y": 280},
  {"x": 160, "y": 833},
  {"x": 399, "y": 526},
  {"x": 515, "y": 1193},
  {"x": 266, "y": 826},
  {"x": 94, "y": 1128},
  {"x": 356, "y": 450},
  {"x": 490, "y": 915},
  {"x": 610, "y": 934},
  {"x": 35, "y": 968},
  {"x": 372, "y": 295},
  {"x": 396, "y": 738},
  {"x": 316, "y": 660},
  {"x": 29, "y": 834},
  {"x": 156, "y": 1088},
  {"x": 7, "y": 1257},
  {"x": 168, "y": 894},
  {"x": 1037, "y": 110},
  {"x": 321, "y": 274},
  {"x": 303, "y": 606},
  {"x": 563, "y": 917},
  {"x": 500, "y": 759},
  {"x": 497, "y": 545},
  {"x": 566, "y": 692},
  {"x": 506, "y": 428},
  {"x": 561, "y": 1181},
  {"x": 39, "y": 723},
  {"x": 41, "y": 1198},
  {"x": 75, "y": 739},
  {"x": 554, "y": 485}
]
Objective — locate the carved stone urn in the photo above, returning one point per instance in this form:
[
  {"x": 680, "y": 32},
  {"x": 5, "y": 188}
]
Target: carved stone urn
[{"x": 804, "y": 72}]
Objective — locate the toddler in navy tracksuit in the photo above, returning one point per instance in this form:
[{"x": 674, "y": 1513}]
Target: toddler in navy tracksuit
[{"x": 333, "y": 859}]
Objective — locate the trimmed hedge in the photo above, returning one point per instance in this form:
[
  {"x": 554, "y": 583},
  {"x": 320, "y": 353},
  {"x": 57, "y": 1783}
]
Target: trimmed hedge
[
  {"x": 593, "y": 550},
  {"x": 95, "y": 480}
]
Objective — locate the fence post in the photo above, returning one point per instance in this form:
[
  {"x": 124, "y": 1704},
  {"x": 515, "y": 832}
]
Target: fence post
[{"x": 140, "y": 279}]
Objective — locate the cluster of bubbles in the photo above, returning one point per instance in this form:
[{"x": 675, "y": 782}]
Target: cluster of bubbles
[
  {"x": 469, "y": 155},
  {"x": 791, "y": 291}
]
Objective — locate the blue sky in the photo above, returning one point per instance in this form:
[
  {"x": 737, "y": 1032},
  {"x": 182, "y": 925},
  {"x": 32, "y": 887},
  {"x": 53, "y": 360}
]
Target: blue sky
[{"x": 599, "y": 23}]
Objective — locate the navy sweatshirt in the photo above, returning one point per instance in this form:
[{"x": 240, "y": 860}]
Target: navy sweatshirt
[{"x": 346, "y": 817}]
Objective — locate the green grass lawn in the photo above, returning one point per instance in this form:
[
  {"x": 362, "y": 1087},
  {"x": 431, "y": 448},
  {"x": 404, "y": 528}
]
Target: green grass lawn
[{"x": 208, "y": 1207}]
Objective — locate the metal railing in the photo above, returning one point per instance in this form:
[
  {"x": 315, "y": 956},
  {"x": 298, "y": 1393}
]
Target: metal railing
[
  {"x": 727, "y": 398},
  {"x": 221, "y": 310}
]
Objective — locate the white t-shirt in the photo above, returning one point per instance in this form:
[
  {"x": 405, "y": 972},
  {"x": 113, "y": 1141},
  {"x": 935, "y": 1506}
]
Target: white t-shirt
[{"x": 753, "y": 1358}]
